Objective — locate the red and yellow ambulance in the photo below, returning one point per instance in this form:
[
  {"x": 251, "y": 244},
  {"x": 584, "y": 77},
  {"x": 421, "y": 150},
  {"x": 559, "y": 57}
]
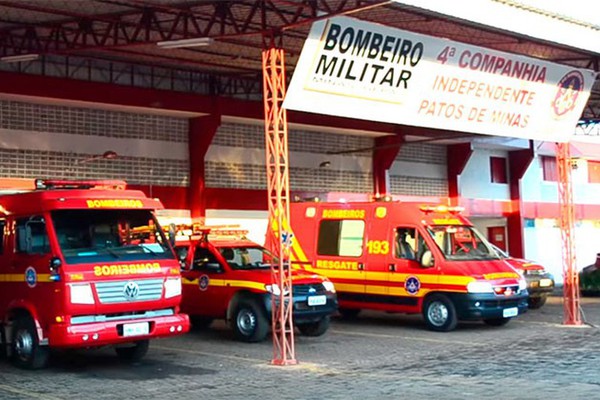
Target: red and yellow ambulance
[
  {"x": 75, "y": 271},
  {"x": 229, "y": 277},
  {"x": 409, "y": 258}
]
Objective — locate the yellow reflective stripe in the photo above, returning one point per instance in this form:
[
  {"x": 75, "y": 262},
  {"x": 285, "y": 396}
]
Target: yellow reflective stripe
[
  {"x": 349, "y": 287},
  {"x": 21, "y": 278},
  {"x": 376, "y": 289},
  {"x": 231, "y": 283}
]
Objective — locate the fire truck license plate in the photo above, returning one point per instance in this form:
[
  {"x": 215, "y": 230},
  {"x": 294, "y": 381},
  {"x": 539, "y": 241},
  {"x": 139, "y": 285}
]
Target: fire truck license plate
[
  {"x": 137, "y": 329},
  {"x": 317, "y": 300},
  {"x": 510, "y": 312}
]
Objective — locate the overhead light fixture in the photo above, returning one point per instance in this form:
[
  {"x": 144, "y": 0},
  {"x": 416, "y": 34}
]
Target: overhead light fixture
[
  {"x": 183, "y": 43},
  {"x": 19, "y": 58},
  {"x": 325, "y": 164}
]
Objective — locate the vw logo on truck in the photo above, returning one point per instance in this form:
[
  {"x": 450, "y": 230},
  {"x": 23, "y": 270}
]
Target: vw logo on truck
[{"x": 131, "y": 290}]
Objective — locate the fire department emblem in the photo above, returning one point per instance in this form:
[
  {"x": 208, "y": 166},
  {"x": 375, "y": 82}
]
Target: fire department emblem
[
  {"x": 203, "y": 282},
  {"x": 412, "y": 285},
  {"x": 31, "y": 277},
  {"x": 131, "y": 290},
  {"x": 569, "y": 88}
]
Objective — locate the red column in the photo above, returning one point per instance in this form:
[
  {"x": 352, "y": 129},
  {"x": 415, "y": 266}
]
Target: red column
[
  {"x": 201, "y": 133},
  {"x": 457, "y": 157},
  {"x": 518, "y": 162},
  {"x": 385, "y": 152}
]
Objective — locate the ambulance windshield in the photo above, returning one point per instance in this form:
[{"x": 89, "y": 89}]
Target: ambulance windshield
[
  {"x": 464, "y": 243},
  {"x": 247, "y": 257},
  {"x": 87, "y": 236}
]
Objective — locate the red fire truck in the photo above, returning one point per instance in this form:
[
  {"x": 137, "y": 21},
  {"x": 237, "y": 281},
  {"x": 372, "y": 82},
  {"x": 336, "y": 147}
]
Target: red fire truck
[
  {"x": 76, "y": 271},
  {"x": 409, "y": 258},
  {"x": 228, "y": 277}
]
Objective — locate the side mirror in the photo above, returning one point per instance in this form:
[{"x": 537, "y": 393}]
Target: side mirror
[
  {"x": 427, "y": 260},
  {"x": 183, "y": 262},
  {"x": 213, "y": 267},
  {"x": 172, "y": 234}
]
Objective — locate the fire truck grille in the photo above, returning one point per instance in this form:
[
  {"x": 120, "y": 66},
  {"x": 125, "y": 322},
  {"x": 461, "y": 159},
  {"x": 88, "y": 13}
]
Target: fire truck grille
[
  {"x": 128, "y": 291},
  {"x": 305, "y": 290}
]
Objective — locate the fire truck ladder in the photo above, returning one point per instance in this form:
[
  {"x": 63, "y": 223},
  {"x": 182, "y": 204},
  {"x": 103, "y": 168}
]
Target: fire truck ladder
[
  {"x": 278, "y": 241},
  {"x": 571, "y": 310}
]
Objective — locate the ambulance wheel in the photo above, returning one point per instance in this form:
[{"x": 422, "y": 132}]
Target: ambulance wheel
[
  {"x": 496, "y": 321},
  {"x": 314, "y": 328},
  {"x": 26, "y": 351},
  {"x": 439, "y": 313},
  {"x": 349, "y": 313},
  {"x": 536, "y": 302},
  {"x": 249, "y": 322},
  {"x": 134, "y": 352}
]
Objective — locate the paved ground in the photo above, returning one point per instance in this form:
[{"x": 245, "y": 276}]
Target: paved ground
[{"x": 377, "y": 356}]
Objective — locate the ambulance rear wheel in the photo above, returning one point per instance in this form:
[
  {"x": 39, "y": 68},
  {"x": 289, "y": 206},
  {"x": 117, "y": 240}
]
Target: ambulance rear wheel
[
  {"x": 439, "y": 313},
  {"x": 314, "y": 328},
  {"x": 134, "y": 352},
  {"x": 26, "y": 351},
  {"x": 249, "y": 322}
]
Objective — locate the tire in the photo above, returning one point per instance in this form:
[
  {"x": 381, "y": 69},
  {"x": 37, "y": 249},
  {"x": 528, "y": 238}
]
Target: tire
[
  {"x": 496, "y": 321},
  {"x": 200, "y": 322},
  {"x": 26, "y": 351},
  {"x": 315, "y": 328},
  {"x": 249, "y": 322},
  {"x": 536, "y": 302},
  {"x": 349, "y": 313},
  {"x": 439, "y": 313},
  {"x": 135, "y": 352}
]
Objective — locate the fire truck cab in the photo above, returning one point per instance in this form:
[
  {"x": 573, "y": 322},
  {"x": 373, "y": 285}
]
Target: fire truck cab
[
  {"x": 76, "y": 271},
  {"x": 409, "y": 258},
  {"x": 229, "y": 277}
]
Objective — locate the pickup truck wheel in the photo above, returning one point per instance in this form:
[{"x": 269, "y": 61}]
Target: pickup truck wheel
[
  {"x": 315, "y": 328},
  {"x": 536, "y": 302},
  {"x": 249, "y": 322},
  {"x": 26, "y": 351},
  {"x": 135, "y": 352},
  {"x": 496, "y": 321},
  {"x": 439, "y": 313}
]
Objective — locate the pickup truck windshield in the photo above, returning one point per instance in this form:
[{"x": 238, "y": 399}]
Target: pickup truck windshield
[
  {"x": 462, "y": 243},
  {"x": 87, "y": 236},
  {"x": 247, "y": 257}
]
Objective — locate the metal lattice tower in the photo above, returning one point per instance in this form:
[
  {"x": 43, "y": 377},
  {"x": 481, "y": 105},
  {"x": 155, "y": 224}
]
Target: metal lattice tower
[
  {"x": 278, "y": 241},
  {"x": 571, "y": 312}
]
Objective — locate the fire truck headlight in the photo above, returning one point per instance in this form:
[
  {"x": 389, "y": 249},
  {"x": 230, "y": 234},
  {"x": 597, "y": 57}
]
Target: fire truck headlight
[
  {"x": 480, "y": 287},
  {"x": 522, "y": 285},
  {"x": 328, "y": 285},
  {"x": 274, "y": 289},
  {"x": 172, "y": 287},
  {"x": 81, "y": 293}
]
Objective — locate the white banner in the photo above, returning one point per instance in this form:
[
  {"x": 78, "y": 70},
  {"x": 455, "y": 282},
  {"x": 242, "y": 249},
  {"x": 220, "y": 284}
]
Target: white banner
[{"x": 356, "y": 69}]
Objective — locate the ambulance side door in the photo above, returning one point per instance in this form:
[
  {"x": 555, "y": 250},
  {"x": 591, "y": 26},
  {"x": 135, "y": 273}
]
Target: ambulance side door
[
  {"x": 340, "y": 256},
  {"x": 409, "y": 279},
  {"x": 377, "y": 271}
]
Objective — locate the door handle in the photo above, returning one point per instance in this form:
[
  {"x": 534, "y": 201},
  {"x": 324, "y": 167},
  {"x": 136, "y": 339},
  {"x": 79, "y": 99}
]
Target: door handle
[
  {"x": 361, "y": 266},
  {"x": 392, "y": 267}
]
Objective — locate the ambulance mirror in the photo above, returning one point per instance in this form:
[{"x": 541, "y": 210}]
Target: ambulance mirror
[
  {"x": 172, "y": 234},
  {"x": 427, "y": 260}
]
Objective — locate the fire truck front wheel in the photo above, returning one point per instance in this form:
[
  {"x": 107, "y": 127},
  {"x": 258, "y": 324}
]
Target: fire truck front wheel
[
  {"x": 133, "y": 352},
  {"x": 249, "y": 322},
  {"x": 26, "y": 351},
  {"x": 439, "y": 313}
]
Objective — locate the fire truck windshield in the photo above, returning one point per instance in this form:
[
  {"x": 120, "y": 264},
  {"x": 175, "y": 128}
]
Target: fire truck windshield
[
  {"x": 86, "y": 236},
  {"x": 462, "y": 243},
  {"x": 247, "y": 257}
]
